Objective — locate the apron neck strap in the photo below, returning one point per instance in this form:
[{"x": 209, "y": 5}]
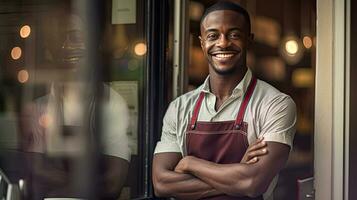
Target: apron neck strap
[
  {"x": 246, "y": 99},
  {"x": 241, "y": 112},
  {"x": 196, "y": 110}
]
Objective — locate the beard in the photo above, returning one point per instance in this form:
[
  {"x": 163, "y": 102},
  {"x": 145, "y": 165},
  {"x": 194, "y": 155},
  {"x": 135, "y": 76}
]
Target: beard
[
  {"x": 229, "y": 66},
  {"x": 226, "y": 71}
]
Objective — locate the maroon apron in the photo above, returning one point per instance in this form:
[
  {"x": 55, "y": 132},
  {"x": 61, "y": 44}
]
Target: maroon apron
[{"x": 223, "y": 142}]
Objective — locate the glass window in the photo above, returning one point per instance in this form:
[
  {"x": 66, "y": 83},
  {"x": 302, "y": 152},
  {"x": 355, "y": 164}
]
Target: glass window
[{"x": 73, "y": 91}]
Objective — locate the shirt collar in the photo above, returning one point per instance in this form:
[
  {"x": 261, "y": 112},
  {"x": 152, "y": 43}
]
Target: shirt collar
[{"x": 237, "y": 91}]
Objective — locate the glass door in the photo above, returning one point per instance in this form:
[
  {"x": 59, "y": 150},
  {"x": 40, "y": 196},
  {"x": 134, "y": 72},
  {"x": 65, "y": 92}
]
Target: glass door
[{"x": 82, "y": 94}]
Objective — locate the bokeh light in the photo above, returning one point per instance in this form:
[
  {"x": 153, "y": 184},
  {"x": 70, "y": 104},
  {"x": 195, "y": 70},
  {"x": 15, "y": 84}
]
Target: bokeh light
[
  {"x": 16, "y": 53},
  {"x": 303, "y": 78},
  {"x": 25, "y": 31},
  {"x": 307, "y": 41},
  {"x": 45, "y": 120},
  {"x": 292, "y": 47},
  {"x": 23, "y": 76},
  {"x": 140, "y": 49}
]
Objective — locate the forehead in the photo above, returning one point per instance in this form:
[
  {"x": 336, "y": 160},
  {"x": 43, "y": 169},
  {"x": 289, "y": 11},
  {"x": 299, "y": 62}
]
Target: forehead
[
  {"x": 224, "y": 19},
  {"x": 72, "y": 22}
]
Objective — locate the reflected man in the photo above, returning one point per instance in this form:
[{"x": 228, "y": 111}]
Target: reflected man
[{"x": 53, "y": 124}]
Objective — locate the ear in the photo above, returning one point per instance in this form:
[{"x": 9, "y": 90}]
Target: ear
[{"x": 201, "y": 41}]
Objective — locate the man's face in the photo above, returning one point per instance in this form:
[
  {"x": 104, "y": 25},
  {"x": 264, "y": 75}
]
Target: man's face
[
  {"x": 225, "y": 37},
  {"x": 72, "y": 42}
]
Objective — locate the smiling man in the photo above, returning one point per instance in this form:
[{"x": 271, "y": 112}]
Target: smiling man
[
  {"x": 229, "y": 138},
  {"x": 55, "y": 127}
]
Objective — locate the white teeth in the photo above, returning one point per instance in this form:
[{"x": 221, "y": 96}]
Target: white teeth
[{"x": 223, "y": 55}]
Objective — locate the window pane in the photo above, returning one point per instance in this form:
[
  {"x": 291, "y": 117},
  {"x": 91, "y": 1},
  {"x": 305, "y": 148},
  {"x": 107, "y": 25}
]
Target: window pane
[{"x": 71, "y": 97}]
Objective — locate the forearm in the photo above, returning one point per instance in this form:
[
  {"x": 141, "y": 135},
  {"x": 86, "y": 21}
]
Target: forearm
[
  {"x": 239, "y": 179},
  {"x": 232, "y": 179},
  {"x": 182, "y": 186},
  {"x": 113, "y": 177}
]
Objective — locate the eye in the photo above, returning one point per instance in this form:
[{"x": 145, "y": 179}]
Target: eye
[
  {"x": 212, "y": 36},
  {"x": 234, "y": 35},
  {"x": 75, "y": 36}
]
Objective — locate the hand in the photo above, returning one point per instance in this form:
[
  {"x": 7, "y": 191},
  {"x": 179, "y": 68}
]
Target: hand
[
  {"x": 254, "y": 151},
  {"x": 183, "y": 164}
]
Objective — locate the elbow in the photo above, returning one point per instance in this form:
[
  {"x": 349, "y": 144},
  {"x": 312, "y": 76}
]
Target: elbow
[
  {"x": 256, "y": 188},
  {"x": 158, "y": 191},
  {"x": 249, "y": 186},
  {"x": 159, "y": 186},
  {"x": 111, "y": 189}
]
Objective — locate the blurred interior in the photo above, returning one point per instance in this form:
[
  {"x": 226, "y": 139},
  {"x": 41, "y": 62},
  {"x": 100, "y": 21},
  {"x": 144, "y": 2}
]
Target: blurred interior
[{"x": 46, "y": 45}]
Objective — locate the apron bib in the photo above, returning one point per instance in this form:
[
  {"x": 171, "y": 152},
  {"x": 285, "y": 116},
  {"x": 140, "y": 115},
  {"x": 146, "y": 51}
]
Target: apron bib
[{"x": 223, "y": 142}]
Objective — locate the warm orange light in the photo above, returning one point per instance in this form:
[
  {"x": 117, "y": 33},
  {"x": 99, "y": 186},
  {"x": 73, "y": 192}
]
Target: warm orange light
[
  {"x": 16, "y": 53},
  {"x": 303, "y": 78},
  {"x": 292, "y": 47},
  {"x": 140, "y": 49},
  {"x": 45, "y": 120},
  {"x": 307, "y": 41},
  {"x": 25, "y": 31},
  {"x": 196, "y": 10},
  {"x": 23, "y": 76}
]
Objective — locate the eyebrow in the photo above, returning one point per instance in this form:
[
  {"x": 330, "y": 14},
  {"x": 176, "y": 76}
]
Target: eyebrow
[{"x": 229, "y": 30}]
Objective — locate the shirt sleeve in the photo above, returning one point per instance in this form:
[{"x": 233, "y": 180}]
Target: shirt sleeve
[
  {"x": 115, "y": 122},
  {"x": 279, "y": 120},
  {"x": 168, "y": 142}
]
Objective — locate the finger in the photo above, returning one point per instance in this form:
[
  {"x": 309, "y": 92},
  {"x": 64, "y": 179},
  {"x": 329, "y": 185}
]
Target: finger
[
  {"x": 256, "y": 153},
  {"x": 253, "y": 160},
  {"x": 257, "y": 146},
  {"x": 178, "y": 170},
  {"x": 257, "y": 141}
]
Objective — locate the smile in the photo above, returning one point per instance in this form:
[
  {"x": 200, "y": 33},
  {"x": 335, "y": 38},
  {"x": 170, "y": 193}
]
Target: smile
[{"x": 223, "y": 56}]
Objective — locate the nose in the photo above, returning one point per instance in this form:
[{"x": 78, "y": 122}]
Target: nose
[
  {"x": 223, "y": 41},
  {"x": 71, "y": 43},
  {"x": 66, "y": 43}
]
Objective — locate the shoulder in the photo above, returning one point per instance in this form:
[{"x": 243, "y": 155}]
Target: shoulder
[
  {"x": 112, "y": 93},
  {"x": 40, "y": 104},
  {"x": 266, "y": 95},
  {"x": 114, "y": 101},
  {"x": 185, "y": 101}
]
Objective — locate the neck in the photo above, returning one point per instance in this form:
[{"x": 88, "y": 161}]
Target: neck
[
  {"x": 222, "y": 86},
  {"x": 67, "y": 89}
]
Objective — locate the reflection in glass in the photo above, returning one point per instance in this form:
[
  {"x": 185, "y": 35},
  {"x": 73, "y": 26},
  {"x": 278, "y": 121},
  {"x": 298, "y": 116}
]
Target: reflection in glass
[
  {"x": 307, "y": 41},
  {"x": 16, "y": 53},
  {"x": 140, "y": 49},
  {"x": 291, "y": 46},
  {"x": 23, "y": 76},
  {"x": 25, "y": 31}
]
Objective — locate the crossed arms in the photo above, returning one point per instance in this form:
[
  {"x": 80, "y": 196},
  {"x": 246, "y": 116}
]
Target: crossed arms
[{"x": 193, "y": 178}]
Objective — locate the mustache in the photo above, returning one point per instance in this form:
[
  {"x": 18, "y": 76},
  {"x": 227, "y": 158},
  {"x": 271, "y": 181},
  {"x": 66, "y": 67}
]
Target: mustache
[{"x": 237, "y": 49}]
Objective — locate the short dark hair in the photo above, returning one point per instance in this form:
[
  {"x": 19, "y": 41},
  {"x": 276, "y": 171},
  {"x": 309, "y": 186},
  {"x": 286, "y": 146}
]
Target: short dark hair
[{"x": 228, "y": 5}]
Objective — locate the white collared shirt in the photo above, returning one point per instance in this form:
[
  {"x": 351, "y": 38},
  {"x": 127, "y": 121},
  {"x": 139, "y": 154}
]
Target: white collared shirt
[
  {"x": 270, "y": 113},
  {"x": 114, "y": 121}
]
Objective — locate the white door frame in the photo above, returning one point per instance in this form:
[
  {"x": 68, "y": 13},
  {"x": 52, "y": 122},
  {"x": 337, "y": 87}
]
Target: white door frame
[{"x": 331, "y": 102}]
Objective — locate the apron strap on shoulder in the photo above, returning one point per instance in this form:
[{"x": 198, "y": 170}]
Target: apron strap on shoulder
[
  {"x": 248, "y": 94},
  {"x": 196, "y": 111}
]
